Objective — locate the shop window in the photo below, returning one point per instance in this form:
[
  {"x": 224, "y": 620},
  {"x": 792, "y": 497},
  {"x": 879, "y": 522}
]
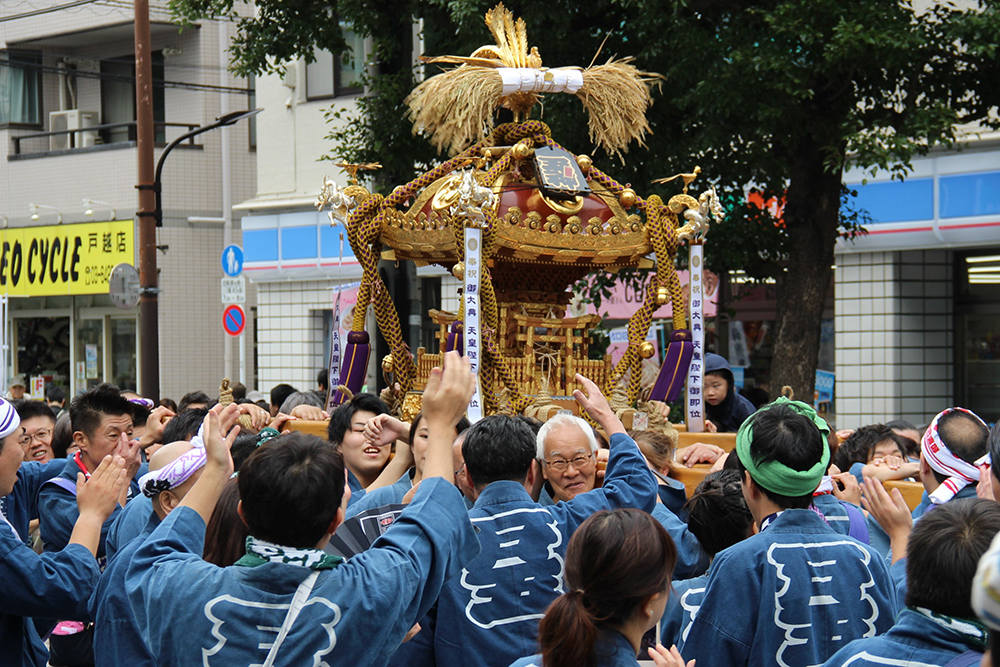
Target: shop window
[
  {"x": 43, "y": 349},
  {"x": 337, "y": 76},
  {"x": 124, "y": 364},
  {"x": 20, "y": 88},
  {"x": 252, "y": 104},
  {"x": 89, "y": 353}
]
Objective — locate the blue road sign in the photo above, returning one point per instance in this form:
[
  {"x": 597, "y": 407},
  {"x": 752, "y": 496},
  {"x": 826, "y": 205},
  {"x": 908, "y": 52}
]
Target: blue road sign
[
  {"x": 232, "y": 260},
  {"x": 233, "y": 320}
]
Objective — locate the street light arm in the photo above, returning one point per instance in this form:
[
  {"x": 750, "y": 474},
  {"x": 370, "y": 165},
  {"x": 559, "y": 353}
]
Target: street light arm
[{"x": 228, "y": 119}]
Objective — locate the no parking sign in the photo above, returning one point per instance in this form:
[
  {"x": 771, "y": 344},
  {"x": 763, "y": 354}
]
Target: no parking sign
[{"x": 233, "y": 320}]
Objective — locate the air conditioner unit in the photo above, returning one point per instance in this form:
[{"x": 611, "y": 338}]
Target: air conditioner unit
[{"x": 72, "y": 119}]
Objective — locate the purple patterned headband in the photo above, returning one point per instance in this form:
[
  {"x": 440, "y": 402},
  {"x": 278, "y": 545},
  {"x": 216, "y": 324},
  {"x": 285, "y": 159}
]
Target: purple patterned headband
[{"x": 177, "y": 471}]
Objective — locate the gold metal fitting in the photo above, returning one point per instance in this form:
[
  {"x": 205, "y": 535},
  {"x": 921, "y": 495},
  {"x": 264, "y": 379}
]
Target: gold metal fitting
[
  {"x": 647, "y": 350},
  {"x": 662, "y": 296},
  {"x": 387, "y": 363},
  {"x": 522, "y": 151},
  {"x": 584, "y": 162},
  {"x": 459, "y": 270},
  {"x": 627, "y": 198}
]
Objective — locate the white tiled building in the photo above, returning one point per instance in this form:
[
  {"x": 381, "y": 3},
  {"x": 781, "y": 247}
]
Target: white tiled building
[
  {"x": 917, "y": 299},
  {"x": 73, "y": 67}
]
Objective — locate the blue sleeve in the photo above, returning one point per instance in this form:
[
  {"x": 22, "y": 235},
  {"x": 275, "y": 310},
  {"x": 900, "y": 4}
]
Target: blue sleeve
[
  {"x": 897, "y": 571},
  {"x": 52, "y": 585},
  {"x": 856, "y": 469},
  {"x": 432, "y": 540},
  {"x": 30, "y": 477},
  {"x": 370, "y": 500},
  {"x": 156, "y": 567},
  {"x": 691, "y": 560},
  {"x": 58, "y": 513},
  {"x": 722, "y": 633},
  {"x": 628, "y": 483}
]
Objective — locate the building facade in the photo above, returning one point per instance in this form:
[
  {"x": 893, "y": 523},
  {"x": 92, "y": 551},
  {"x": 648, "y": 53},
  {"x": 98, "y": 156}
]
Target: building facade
[
  {"x": 68, "y": 156},
  {"x": 918, "y": 297}
]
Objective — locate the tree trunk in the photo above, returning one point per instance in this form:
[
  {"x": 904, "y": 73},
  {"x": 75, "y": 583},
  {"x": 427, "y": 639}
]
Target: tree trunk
[{"x": 811, "y": 216}]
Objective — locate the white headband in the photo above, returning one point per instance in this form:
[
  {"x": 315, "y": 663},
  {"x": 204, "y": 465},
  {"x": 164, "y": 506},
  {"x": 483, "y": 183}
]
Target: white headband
[
  {"x": 9, "y": 419},
  {"x": 960, "y": 473},
  {"x": 177, "y": 471}
]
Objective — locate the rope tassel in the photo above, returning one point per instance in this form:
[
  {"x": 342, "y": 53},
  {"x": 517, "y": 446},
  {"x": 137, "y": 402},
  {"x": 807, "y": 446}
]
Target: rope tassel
[
  {"x": 673, "y": 373},
  {"x": 354, "y": 367}
]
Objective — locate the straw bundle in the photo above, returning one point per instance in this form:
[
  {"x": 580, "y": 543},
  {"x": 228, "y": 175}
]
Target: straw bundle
[{"x": 616, "y": 96}]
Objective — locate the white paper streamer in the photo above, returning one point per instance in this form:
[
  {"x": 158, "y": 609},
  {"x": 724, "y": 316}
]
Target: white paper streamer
[
  {"x": 695, "y": 399},
  {"x": 530, "y": 80},
  {"x": 470, "y": 301}
]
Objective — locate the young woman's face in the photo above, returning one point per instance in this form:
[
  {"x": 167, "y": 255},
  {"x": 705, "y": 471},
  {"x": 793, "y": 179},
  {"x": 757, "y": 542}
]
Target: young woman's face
[
  {"x": 419, "y": 445},
  {"x": 715, "y": 389},
  {"x": 361, "y": 457},
  {"x": 886, "y": 448}
]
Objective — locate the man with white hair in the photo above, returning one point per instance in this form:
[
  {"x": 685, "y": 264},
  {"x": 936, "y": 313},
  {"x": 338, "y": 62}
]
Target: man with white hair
[{"x": 567, "y": 452}]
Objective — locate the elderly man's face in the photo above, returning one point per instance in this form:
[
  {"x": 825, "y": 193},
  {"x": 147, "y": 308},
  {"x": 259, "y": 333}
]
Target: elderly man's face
[{"x": 570, "y": 466}]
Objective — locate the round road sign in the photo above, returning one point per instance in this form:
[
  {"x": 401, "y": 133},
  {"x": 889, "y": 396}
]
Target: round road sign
[
  {"x": 123, "y": 286},
  {"x": 233, "y": 320}
]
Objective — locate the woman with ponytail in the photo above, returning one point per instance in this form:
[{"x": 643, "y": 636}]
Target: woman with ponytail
[{"x": 618, "y": 570}]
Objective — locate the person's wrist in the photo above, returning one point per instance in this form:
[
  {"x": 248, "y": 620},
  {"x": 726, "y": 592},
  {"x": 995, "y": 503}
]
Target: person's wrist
[{"x": 93, "y": 516}]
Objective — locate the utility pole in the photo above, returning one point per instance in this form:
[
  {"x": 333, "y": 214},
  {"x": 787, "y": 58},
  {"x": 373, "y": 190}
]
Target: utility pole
[{"x": 149, "y": 337}]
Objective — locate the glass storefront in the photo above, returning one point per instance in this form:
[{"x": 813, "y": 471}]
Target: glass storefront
[
  {"x": 978, "y": 320},
  {"x": 74, "y": 342}
]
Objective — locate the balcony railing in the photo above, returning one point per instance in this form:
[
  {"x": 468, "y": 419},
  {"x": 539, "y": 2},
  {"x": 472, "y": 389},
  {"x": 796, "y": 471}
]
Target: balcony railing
[{"x": 94, "y": 136}]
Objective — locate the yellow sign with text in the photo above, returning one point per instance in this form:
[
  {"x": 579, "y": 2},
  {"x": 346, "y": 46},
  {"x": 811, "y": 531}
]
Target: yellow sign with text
[{"x": 61, "y": 260}]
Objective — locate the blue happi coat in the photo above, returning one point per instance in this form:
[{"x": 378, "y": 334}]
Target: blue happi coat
[
  {"x": 21, "y": 505},
  {"x": 58, "y": 512},
  {"x": 47, "y": 586},
  {"x": 682, "y": 605},
  {"x": 915, "y": 641},
  {"x": 193, "y": 613},
  {"x": 792, "y": 595},
  {"x": 116, "y": 634},
  {"x": 611, "y": 650},
  {"x": 386, "y": 495},
  {"x": 842, "y": 516},
  {"x": 489, "y": 615},
  {"x": 129, "y": 524},
  {"x": 691, "y": 559}
]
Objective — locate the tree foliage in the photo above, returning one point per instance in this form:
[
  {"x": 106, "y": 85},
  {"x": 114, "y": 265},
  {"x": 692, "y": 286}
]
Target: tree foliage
[{"x": 775, "y": 95}]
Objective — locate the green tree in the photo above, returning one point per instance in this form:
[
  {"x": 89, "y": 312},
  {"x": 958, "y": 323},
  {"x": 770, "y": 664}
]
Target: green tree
[{"x": 779, "y": 95}]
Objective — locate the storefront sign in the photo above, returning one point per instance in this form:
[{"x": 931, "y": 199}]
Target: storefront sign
[{"x": 64, "y": 259}]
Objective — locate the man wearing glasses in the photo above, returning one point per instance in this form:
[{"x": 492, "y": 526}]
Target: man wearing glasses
[
  {"x": 37, "y": 422},
  {"x": 567, "y": 452}
]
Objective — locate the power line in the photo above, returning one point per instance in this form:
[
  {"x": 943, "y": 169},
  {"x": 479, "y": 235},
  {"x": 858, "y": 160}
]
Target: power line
[
  {"x": 46, "y": 10},
  {"x": 201, "y": 87}
]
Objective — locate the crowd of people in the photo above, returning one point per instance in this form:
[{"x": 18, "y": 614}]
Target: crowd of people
[{"x": 199, "y": 533}]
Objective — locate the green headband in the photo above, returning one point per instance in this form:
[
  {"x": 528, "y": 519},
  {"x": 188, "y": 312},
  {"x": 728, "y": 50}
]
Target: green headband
[{"x": 775, "y": 476}]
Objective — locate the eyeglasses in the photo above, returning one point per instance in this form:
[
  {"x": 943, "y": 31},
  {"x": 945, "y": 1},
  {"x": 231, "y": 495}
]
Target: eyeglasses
[
  {"x": 562, "y": 464},
  {"x": 39, "y": 435},
  {"x": 460, "y": 472}
]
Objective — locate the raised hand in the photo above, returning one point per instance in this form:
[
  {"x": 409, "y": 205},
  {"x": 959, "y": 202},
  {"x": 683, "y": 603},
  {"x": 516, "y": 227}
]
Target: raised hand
[
  {"x": 281, "y": 419},
  {"x": 216, "y": 445},
  {"x": 131, "y": 452},
  {"x": 382, "y": 430},
  {"x": 98, "y": 496},
  {"x": 259, "y": 417},
  {"x": 891, "y": 512},
  {"x": 592, "y": 400},
  {"x": 446, "y": 396},
  {"x": 155, "y": 423}
]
